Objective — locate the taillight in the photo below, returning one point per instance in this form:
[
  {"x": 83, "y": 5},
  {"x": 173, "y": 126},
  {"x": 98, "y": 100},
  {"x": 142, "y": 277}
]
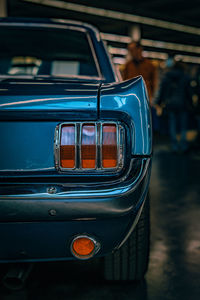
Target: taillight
[
  {"x": 89, "y": 146},
  {"x": 67, "y": 147},
  {"x": 109, "y": 146}
]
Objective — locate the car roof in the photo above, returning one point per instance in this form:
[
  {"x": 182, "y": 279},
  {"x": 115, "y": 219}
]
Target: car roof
[{"x": 52, "y": 21}]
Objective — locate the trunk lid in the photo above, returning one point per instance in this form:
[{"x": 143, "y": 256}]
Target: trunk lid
[{"x": 29, "y": 113}]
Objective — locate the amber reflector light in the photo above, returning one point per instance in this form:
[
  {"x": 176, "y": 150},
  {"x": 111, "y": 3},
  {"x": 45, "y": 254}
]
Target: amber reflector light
[
  {"x": 109, "y": 146},
  {"x": 67, "y": 146},
  {"x": 83, "y": 246},
  {"x": 88, "y": 147}
]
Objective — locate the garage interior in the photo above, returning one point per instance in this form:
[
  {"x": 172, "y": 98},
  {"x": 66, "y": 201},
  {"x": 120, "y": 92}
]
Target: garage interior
[{"x": 165, "y": 28}]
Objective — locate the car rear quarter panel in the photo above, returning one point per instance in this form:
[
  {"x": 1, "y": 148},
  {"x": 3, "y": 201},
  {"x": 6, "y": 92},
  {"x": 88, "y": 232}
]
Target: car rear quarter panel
[{"x": 128, "y": 100}]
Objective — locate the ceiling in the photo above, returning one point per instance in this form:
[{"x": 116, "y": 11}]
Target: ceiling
[{"x": 176, "y": 11}]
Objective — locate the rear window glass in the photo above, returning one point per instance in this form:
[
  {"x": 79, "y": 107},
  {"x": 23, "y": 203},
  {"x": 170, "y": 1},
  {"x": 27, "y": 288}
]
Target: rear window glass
[{"x": 52, "y": 52}]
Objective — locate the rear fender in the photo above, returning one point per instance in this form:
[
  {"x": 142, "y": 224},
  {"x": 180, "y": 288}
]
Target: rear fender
[{"x": 129, "y": 100}]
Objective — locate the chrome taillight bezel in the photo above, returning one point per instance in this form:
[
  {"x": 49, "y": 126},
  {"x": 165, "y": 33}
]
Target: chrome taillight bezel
[{"x": 120, "y": 132}]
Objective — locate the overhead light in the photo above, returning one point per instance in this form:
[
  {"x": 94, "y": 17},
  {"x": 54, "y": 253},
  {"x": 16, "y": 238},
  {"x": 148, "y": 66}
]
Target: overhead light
[
  {"x": 117, "y": 51},
  {"x": 116, "y": 38},
  {"x": 170, "y": 46},
  {"x": 151, "y": 43},
  {"x": 119, "y": 60},
  {"x": 188, "y": 59},
  {"x": 151, "y": 54},
  {"x": 156, "y": 55}
]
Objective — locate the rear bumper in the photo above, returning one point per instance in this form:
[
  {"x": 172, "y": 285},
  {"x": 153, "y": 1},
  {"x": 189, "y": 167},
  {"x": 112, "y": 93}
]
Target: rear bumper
[
  {"x": 41, "y": 227},
  {"x": 45, "y": 241}
]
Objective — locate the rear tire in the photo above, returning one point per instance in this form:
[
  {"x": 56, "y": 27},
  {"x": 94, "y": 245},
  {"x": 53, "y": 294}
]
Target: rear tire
[{"x": 130, "y": 262}]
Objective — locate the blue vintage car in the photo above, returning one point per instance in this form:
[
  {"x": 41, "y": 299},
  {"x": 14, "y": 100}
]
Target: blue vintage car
[{"x": 76, "y": 147}]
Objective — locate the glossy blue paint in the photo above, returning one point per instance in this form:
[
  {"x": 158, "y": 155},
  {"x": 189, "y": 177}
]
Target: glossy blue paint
[
  {"x": 35, "y": 235},
  {"x": 30, "y": 109},
  {"x": 130, "y": 99},
  {"x": 33, "y": 142},
  {"x": 32, "y": 203},
  {"x": 35, "y": 95},
  {"x": 33, "y": 240},
  {"x": 46, "y": 241},
  {"x": 26, "y": 145}
]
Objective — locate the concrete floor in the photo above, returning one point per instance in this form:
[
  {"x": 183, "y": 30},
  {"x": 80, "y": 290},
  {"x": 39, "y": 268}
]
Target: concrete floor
[{"x": 174, "y": 270}]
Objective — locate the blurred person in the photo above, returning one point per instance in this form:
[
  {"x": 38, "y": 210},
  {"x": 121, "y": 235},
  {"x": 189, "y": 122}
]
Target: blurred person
[
  {"x": 174, "y": 98},
  {"x": 138, "y": 65}
]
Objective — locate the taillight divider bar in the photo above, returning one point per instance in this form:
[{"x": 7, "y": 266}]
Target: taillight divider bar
[{"x": 76, "y": 143}]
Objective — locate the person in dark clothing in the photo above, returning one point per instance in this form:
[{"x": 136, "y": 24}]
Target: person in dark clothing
[{"x": 174, "y": 97}]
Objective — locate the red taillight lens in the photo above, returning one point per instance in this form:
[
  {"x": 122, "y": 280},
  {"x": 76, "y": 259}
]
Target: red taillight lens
[
  {"x": 88, "y": 146},
  {"x": 67, "y": 146},
  {"x": 109, "y": 146}
]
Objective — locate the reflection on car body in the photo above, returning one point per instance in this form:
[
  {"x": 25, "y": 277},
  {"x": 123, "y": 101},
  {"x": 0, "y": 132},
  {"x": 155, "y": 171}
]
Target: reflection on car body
[{"x": 75, "y": 150}]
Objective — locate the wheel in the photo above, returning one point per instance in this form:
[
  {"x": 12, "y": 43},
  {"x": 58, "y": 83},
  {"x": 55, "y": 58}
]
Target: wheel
[{"x": 130, "y": 262}]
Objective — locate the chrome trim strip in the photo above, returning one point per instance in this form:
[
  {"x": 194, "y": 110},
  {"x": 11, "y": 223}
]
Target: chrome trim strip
[
  {"x": 56, "y": 147},
  {"x": 100, "y": 146},
  {"x": 39, "y": 25},
  {"x": 28, "y": 170},
  {"x": 76, "y": 143},
  {"x": 97, "y": 148},
  {"x": 59, "y": 23},
  {"x": 78, "y": 23},
  {"x": 118, "y": 139},
  {"x": 121, "y": 146},
  {"x": 94, "y": 55},
  {"x": 113, "y": 191}
]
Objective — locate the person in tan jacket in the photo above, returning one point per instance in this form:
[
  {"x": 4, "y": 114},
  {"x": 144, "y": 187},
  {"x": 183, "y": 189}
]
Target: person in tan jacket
[{"x": 138, "y": 65}]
